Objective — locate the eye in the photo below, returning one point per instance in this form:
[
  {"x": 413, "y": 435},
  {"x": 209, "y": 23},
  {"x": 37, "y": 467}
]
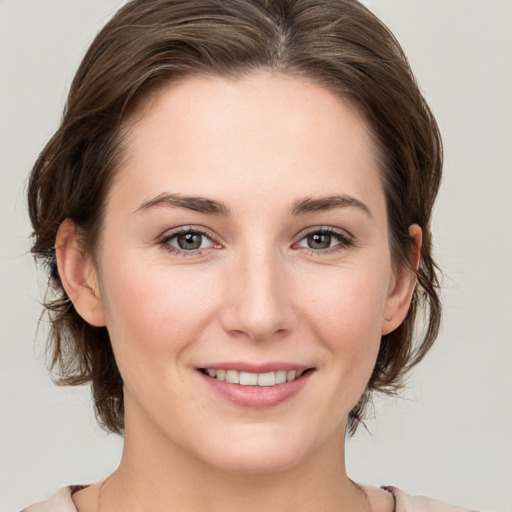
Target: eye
[
  {"x": 325, "y": 239},
  {"x": 187, "y": 240}
]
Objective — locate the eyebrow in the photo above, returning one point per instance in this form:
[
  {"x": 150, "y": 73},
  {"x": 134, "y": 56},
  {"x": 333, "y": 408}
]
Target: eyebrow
[
  {"x": 310, "y": 204},
  {"x": 213, "y": 207},
  {"x": 195, "y": 203}
]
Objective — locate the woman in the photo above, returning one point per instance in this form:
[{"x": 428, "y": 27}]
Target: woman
[{"x": 236, "y": 213}]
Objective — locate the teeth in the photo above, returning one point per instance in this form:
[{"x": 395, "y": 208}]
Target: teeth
[
  {"x": 266, "y": 379},
  {"x": 232, "y": 376},
  {"x": 281, "y": 376},
  {"x": 254, "y": 379},
  {"x": 248, "y": 379}
]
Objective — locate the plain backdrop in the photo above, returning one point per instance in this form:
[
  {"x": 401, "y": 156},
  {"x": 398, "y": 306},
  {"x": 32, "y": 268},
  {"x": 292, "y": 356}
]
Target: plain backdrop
[{"x": 450, "y": 437}]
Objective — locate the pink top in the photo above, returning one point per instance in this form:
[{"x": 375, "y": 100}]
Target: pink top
[{"x": 62, "y": 502}]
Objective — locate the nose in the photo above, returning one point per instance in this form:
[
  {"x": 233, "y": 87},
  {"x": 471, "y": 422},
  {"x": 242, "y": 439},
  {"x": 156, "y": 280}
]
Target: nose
[{"x": 257, "y": 300}]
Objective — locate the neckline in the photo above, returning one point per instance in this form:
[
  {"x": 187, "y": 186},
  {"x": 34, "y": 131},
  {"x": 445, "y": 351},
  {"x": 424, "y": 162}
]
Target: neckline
[{"x": 388, "y": 488}]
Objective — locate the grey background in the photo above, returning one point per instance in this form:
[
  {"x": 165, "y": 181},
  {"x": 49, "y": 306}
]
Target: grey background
[{"x": 451, "y": 437}]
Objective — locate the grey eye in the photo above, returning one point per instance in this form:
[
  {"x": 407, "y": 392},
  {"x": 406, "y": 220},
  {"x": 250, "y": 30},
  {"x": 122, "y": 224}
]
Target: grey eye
[
  {"x": 324, "y": 239},
  {"x": 189, "y": 241},
  {"x": 319, "y": 240}
]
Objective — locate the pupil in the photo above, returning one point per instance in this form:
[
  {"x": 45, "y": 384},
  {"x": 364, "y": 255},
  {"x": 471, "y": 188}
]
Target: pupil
[
  {"x": 319, "y": 241},
  {"x": 189, "y": 241}
]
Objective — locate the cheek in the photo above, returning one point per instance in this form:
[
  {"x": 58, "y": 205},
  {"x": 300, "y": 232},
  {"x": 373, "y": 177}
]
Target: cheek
[
  {"x": 347, "y": 315},
  {"x": 152, "y": 311}
]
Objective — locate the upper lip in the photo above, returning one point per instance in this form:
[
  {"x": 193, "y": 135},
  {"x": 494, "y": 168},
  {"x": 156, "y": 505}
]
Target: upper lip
[{"x": 242, "y": 366}]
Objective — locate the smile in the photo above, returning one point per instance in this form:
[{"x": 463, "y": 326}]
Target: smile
[{"x": 253, "y": 379}]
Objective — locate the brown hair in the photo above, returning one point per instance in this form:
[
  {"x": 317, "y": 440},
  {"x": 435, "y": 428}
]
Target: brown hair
[{"x": 148, "y": 43}]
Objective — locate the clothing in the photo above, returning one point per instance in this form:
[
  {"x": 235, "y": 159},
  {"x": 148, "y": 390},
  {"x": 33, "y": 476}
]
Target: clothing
[
  {"x": 62, "y": 502},
  {"x": 406, "y": 503},
  {"x": 59, "y": 502}
]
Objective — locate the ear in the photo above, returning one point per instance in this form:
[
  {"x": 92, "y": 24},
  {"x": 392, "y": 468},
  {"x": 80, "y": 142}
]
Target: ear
[
  {"x": 402, "y": 287},
  {"x": 78, "y": 275}
]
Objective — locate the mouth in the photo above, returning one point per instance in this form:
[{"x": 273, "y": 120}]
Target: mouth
[
  {"x": 267, "y": 379},
  {"x": 256, "y": 386}
]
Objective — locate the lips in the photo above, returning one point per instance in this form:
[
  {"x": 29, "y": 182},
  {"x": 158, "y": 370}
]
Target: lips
[{"x": 257, "y": 387}]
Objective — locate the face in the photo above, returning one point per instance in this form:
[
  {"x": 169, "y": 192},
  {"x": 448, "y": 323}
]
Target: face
[{"x": 244, "y": 270}]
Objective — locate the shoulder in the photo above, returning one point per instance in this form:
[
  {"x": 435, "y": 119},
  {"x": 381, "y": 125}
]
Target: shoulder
[
  {"x": 61, "y": 501},
  {"x": 406, "y": 503}
]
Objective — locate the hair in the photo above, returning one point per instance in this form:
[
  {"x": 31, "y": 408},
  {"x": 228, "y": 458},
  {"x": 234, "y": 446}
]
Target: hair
[{"x": 150, "y": 43}]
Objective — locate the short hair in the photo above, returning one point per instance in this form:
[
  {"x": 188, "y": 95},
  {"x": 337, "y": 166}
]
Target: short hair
[{"x": 148, "y": 44}]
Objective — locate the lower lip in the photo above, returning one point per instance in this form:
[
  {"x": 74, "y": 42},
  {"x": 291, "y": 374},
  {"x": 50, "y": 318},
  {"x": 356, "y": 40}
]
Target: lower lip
[{"x": 257, "y": 397}]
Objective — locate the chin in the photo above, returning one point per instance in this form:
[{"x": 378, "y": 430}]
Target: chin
[{"x": 258, "y": 449}]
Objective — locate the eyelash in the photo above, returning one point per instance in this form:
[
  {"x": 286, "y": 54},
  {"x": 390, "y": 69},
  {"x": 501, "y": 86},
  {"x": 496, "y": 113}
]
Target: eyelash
[
  {"x": 344, "y": 239},
  {"x": 165, "y": 241}
]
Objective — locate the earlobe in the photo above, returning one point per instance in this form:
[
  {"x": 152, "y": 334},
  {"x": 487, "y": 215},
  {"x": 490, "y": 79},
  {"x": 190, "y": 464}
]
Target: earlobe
[
  {"x": 400, "y": 296},
  {"x": 78, "y": 275}
]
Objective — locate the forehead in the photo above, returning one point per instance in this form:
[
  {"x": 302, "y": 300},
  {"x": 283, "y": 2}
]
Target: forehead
[
  {"x": 259, "y": 98},
  {"x": 212, "y": 135}
]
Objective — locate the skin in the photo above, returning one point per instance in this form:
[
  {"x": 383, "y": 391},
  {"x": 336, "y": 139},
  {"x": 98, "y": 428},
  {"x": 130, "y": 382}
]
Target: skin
[{"x": 255, "y": 291}]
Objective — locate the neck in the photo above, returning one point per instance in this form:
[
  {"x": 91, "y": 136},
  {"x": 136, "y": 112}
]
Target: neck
[{"x": 155, "y": 474}]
